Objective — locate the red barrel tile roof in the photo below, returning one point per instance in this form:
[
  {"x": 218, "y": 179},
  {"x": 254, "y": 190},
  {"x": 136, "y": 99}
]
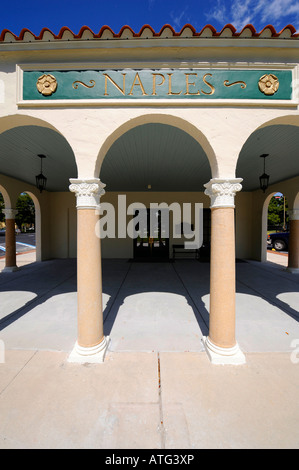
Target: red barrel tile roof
[{"x": 147, "y": 32}]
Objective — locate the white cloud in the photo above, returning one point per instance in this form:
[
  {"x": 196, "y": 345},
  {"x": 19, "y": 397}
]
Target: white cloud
[
  {"x": 179, "y": 18},
  {"x": 257, "y": 12},
  {"x": 218, "y": 13}
]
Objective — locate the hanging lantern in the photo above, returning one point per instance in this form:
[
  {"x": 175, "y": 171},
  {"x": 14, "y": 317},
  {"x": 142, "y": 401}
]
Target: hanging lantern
[
  {"x": 264, "y": 178},
  {"x": 40, "y": 179}
]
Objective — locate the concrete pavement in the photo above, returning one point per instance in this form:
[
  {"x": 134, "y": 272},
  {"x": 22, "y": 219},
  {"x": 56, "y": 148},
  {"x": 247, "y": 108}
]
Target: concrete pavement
[{"x": 156, "y": 388}]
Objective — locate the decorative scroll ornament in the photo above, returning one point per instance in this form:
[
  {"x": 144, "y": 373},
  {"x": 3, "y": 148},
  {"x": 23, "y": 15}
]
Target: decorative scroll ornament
[
  {"x": 46, "y": 84},
  {"x": 88, "y": 192},
  {"x": 239, "y": 82},
  {"x": 268, "y": 84},
  {"x": 78, "y": 82},
  {"x": 222, "y": 191}
]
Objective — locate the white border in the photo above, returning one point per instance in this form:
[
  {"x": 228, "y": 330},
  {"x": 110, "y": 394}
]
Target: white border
[{"x": 20, "y": 68}]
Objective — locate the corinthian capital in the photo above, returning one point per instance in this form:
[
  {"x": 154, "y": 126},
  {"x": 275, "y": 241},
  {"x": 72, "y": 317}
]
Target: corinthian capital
[
  {"x": 10, "y": 213},
  {"x": 294, "y": 214},
  {"x": 222, "y": 191},
  {"x": 88, "y": 192}
]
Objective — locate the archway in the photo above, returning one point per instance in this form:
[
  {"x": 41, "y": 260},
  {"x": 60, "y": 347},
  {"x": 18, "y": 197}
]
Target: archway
[
  {"x": 155, "y": 160},
  {"x": 164, "y": 119},
  {"x": 274, "y": 231},
  {"x": 279, "y": 140},
  {"x": 22, "y": 141},
  {"x": 28, "y": 225},
  {"x": 155, "y": 163}
]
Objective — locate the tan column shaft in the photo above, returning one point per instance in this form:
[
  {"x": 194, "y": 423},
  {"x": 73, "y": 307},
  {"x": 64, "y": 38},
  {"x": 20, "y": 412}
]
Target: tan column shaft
[
  {"x": 293, "y": 261},
  {"x": 222, "y": 278},
  {"x": 10, "y": 243},
  {"x": 90, "y": 316},
  {"x": 221, "y": 345},
  {"x": 91, "y": 345}
]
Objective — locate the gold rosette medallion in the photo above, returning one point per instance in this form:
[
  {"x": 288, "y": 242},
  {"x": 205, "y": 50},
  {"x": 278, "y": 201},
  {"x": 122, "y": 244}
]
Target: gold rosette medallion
[
  {"x": 46, "y": 84},
  {"x": 268, "y": 84}
]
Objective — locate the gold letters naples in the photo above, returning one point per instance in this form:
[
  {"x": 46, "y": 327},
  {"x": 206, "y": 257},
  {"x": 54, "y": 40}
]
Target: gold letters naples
[
  {"x": 162, "y": 83},
  {"x": 155, "y": 84}
]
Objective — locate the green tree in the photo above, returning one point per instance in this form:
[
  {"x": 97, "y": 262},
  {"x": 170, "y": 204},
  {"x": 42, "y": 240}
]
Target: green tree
[
  {"x": 278, "y": 211},
  {"x": 26, "y": 211}
]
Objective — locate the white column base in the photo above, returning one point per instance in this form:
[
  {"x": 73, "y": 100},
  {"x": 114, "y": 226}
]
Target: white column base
[
  {"x": 93, "y": 355},
  {"x": 292, "y": 270},
  {"x": 224, "y": 356},
  {"x": 10, "y": 269}
]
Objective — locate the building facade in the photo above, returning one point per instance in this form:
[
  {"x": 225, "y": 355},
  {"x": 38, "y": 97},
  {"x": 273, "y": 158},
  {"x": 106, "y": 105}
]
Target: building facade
[{"x": 128, "y": 120}]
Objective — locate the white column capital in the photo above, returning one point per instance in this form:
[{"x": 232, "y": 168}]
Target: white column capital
[
  {"x": 10, "y": 213},
  {"x": 222, "y": 191},
  {"x": 88, "y": 192},
  {"x": 293, "y": 214}
]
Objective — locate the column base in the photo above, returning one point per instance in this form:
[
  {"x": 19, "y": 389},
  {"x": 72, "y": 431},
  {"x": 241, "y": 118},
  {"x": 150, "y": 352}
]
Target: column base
[
  {"x": 224, "y": 356},
  {"x": 292, "y": 270},
  {"x": 10, "y": 269},
  {"x": 93, "y": 355}
]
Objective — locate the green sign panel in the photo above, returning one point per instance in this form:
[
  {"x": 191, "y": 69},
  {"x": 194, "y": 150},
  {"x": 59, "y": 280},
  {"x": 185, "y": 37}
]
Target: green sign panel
[{"x": 148, "y": 84}]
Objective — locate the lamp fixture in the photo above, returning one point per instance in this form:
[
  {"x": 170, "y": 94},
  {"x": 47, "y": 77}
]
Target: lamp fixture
[
  {"x": 264, "y": 178},
  {"x": 40, "y": 179}
]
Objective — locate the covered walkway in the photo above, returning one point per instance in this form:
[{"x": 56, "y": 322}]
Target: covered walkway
[
  {"x": 148, "y": 306},
  {"x": 157, "y": 388}
]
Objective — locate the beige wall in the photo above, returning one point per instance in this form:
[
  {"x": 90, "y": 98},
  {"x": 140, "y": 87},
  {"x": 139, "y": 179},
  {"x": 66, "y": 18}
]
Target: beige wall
[
  {"x": 58, "y": 218},
  {"x": 244, "y": 223},
  {"x": 63, "y": 225},
  {"x": 90, "y": 129}
]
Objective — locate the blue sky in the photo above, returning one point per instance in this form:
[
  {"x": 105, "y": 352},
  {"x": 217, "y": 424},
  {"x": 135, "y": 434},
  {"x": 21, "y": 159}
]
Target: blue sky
[{"x": 54, "y": 14}]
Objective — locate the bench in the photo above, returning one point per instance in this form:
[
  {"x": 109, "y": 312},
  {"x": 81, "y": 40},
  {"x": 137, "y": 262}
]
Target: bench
[{"x": 182, "y": 249}]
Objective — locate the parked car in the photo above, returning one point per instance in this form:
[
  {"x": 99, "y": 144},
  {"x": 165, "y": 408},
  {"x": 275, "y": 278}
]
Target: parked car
[
  {"x": 279, "y": 241},
  {"x": 2, "y": 231}
]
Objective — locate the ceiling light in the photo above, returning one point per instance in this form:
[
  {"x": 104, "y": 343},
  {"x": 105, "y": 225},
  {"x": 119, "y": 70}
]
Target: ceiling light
[
  {"x": 264, "y": 178},
  {"x": 40, "y": 179}
]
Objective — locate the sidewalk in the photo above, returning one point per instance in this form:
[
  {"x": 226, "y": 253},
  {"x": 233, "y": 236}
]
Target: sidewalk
[{"x": 156, "y": 388}]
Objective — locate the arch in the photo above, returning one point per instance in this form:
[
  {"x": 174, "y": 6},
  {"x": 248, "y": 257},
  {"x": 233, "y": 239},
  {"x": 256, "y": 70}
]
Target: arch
[
  {"x": 158, "y": 119},
  {"x": 6, "y": 197},
  {"x": 8, "y": 123},
  {"x": 272, "y": 138},
  {"x": 296, "y": 202},
  {"x": 265, "y": 226},
  {"x": 38, "y": 225},
  {"x": 22, "y": 138},
  {"x": 17, "y": 120},
  {"x": 288, "y": 120}
]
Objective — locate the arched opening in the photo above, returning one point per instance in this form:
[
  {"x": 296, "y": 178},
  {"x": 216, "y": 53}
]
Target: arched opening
[
  {"x": 275, "y": 225},
  {"x": 28, "y": 228},
  {"x": 279, "y": 141},
  {"x": 155, "y": 163},
  {"x": 164, "y": 119},
  {"x": 22, "y": 141}
]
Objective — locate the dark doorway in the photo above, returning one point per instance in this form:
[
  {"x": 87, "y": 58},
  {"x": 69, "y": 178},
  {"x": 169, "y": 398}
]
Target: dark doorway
[{"x": 152, "y": 241}]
